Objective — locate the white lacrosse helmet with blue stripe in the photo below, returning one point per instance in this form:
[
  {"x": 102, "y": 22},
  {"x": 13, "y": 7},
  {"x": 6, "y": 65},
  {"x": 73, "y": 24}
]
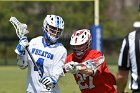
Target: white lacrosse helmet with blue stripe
[{"x": 53, "y": 27}]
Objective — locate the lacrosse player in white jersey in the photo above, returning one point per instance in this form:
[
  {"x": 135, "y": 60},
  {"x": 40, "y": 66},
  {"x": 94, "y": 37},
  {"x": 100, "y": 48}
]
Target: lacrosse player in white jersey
[{"x": 48, "y": 54}]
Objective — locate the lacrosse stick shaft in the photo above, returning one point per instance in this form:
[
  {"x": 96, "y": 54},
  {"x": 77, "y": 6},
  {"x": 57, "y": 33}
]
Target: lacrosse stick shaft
[{"x": 27, "y": 49}]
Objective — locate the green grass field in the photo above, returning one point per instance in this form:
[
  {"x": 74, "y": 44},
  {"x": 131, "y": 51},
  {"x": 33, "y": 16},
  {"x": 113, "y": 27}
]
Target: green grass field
[{"x": 13, "y": 80}]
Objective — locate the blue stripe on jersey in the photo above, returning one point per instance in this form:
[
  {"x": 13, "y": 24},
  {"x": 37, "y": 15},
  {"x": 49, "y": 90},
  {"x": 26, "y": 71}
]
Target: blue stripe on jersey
[{"x": 42, "y": 53}]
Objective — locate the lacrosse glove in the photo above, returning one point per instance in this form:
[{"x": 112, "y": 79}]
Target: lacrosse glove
[
  {"x": 23, "y": 43},
  {"x": 92, "y": 65},
  {"x": 48, "y": 82},
  {"x": 71, "y": 67}
]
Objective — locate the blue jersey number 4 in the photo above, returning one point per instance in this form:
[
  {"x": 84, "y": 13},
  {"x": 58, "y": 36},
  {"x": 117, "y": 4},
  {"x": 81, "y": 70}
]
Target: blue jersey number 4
[{"x": 40, "y": 63}]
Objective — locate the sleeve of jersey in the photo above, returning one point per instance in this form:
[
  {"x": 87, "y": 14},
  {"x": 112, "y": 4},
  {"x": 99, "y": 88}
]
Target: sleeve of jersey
[
  {"x": 102, "y": 68},
  {"x": 102, "y": 64},
  {"x": 59, "y": 65},
  {"x": 123, "y": 61},
  {"x": 68, "y": 59},
  {"x": 22, "y": 61}
]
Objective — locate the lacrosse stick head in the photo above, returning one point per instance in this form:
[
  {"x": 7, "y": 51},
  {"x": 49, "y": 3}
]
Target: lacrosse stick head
[
  {"x": 81, "y": 42},
  {"x": 53, "y": 27},
  {"x": 21, "y": 29}
]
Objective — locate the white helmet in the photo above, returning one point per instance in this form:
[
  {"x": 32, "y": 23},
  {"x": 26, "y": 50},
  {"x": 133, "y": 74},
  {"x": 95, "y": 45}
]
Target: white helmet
[
  {"x": 53, "y": 27},
  {"x": 81, "y": 42}
]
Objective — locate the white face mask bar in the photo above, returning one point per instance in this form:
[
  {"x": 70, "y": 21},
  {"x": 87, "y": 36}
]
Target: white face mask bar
[
  {"x": 54, "y": 32},
  {"x": 81, "y": 48}
]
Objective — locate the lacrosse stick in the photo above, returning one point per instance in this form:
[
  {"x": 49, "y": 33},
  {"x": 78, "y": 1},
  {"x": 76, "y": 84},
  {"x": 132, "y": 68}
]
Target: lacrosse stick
[{"x": 21, "y": 30}]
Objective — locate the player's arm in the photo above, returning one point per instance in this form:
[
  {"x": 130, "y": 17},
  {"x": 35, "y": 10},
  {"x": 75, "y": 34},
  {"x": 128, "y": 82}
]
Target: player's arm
[
  {"x": 122, "y": 77},
  {"x": 123, "y": 66},
  {"x": 69, "y": 65},
  {"x": 89, "y": 67},
  {"x": 21, "y": 30},
  {"x": 92, "y": 66},
  {"x": 75, "y": 67},
  {"x": 21, "y": 53},
  {"x": 22, "y": 61},
  {"x": 84, "y": 70},
  {"x": 58, "y": 66},
  {"x": 56, "y": 71}
]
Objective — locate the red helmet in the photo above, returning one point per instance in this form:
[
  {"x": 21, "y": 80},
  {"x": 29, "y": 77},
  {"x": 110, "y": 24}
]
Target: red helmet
[{"x": 81, "y": 42}]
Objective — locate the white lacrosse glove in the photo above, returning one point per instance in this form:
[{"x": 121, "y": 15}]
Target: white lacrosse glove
[
  {"x": 90, "y": 64},
  {"x": 49, "y": 82},
  {"x": 23, "y": 43},
  {"x": 71, "y": 67}
]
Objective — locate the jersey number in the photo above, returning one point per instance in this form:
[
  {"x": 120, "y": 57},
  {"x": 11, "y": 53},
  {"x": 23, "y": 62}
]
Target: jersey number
[
  {"x": 84, "y": 85},
  {"x": 40, "y": 63}
]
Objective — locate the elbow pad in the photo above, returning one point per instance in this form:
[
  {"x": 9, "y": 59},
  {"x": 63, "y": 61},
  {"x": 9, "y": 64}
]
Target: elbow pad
[{"x": 22, "y": 61}]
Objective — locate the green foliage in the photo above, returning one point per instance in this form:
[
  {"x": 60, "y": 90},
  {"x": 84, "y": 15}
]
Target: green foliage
[
  {"x": 76, "y": 15},
  {"x": 116, "y": 21}
]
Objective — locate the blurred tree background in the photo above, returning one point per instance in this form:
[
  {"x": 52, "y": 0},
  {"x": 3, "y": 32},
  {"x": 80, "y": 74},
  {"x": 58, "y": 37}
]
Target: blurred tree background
[{"x": 116, "y": 19}]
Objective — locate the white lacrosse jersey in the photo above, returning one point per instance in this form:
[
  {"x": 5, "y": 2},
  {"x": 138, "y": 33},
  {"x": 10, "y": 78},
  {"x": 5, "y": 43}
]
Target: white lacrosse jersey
[{"x": 50, "y": 60}]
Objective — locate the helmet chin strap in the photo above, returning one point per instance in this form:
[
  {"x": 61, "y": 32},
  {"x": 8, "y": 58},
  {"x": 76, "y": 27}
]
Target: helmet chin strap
[{"x": 79, "y": 53}]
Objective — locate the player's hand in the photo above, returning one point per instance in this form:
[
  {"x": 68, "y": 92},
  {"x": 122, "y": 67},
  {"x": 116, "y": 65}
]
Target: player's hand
[
  {"x": 23, "y": 43},
  {"x": 71, "y": 67},
  {"x": 90, "y": 67},
  {"x": 90, "y": 64},
  {"x": 48, "y": 81}
]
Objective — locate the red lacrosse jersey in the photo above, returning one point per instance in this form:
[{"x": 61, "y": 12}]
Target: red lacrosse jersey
[{"x": 101, "y": 82}]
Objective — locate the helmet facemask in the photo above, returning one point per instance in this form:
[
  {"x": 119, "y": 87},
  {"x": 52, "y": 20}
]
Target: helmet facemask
[
  {"x": 81, "y": 50},
  {"x": 53, "y": 27},
  {"x": 53, "y": 32},
  {"x": 81, "y": 42}
]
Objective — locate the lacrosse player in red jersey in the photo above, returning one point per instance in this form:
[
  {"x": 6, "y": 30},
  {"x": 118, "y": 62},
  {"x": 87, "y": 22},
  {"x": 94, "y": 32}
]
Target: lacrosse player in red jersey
[{"x": 88, "y": 66}]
